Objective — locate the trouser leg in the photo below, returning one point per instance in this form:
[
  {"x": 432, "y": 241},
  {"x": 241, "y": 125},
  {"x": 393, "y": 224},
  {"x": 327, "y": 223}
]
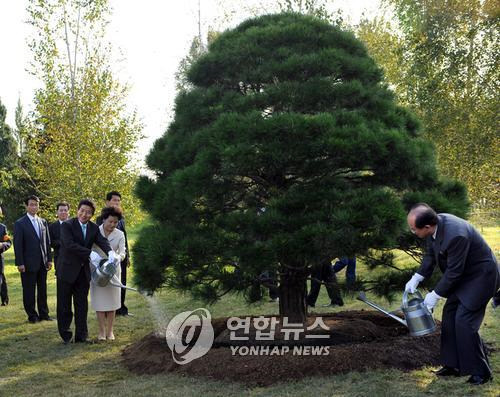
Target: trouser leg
[
  {"x": 471, "y": 352},
  {"x": 28, "y": 281},
  {"x": 64, "y": 313},
  {"x": 80, "y": 299},
  {"x": 4, "y": 292},
  {"x": 449, "y": 351},
  {"x": 123, "y": 310},
  {"x": 315, "y": 286},
  {"x": 332, "y": 287},
  {"x": 41, "y": 285}
]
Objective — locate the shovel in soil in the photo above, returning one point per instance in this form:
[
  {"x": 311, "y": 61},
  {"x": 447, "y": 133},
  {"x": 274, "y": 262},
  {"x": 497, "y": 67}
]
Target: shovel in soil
[{"x": 418, "y": 319}]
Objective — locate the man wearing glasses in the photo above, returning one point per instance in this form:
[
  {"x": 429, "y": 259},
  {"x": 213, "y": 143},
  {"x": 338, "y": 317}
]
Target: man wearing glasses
[{"x": 470, "y": 279}]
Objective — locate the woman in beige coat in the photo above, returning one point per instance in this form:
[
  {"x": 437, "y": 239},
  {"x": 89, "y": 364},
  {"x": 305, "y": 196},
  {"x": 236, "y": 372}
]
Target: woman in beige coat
[{"x": 106, "y": 300}]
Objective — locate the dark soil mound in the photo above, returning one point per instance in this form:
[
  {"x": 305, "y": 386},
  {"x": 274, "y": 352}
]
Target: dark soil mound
[{"x": 359, "y": 340}]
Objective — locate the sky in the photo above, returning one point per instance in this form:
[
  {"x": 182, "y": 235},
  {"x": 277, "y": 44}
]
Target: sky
[{"x": 149, "y": 38}]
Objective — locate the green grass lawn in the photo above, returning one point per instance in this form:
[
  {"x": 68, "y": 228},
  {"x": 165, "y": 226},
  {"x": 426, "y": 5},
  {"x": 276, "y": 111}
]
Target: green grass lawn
[{"x": 34, "y": 362}]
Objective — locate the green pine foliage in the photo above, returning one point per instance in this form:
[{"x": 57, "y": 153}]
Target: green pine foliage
[{"x": 288, "y": 150}]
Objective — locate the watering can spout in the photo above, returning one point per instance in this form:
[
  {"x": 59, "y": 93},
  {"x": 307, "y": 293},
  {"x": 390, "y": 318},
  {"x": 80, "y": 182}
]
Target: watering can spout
[
  {"x": 418, "y": 319},
  {"x": 362, "y": 297}
]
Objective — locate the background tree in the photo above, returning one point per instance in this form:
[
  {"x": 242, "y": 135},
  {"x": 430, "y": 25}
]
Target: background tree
[
  {"x": 7, "y": 154},
  {"x": 288, "y": 151},
  {"x": 13, "y": 183},
  {"x": 441, "y": 58},
  {"x": 82, "y": 138}
]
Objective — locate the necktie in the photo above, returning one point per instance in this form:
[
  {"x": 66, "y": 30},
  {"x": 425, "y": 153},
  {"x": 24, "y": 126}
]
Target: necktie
[
  {"x": 36, "y": 226},
  {"x": 84, "y": 230}
]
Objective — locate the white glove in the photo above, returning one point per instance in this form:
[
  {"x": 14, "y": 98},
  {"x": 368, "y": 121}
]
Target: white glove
[
  {"x": 111, "y": 257},
  {"x": 431, "y": 300},
  {"x": 95, "y": 258},
  {"x": 411, "y": 286}
]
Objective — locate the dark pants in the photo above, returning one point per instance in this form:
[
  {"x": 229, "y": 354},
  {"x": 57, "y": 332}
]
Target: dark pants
[
  {"x": 461, "y": 345},
  {"x": 350, "y": 273},
  {"x": 123, "y": 310},
  {"x": 78, "y": 292},
  {"x": 4, "y": 292},
  {"x": 326, "y": 274},
  {"x": 35, "y": 283}
]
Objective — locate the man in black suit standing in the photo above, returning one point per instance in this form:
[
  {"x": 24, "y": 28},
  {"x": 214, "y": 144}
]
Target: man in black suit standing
[
  {"x": 5, "y": 244},
  {"x": 33, "y": 259},
  {"x": 114, "y": 199},
  {"x": 62, "y": 212},
  {"x": 73, "y": 273},
  {"x": 470, "y": 279}
]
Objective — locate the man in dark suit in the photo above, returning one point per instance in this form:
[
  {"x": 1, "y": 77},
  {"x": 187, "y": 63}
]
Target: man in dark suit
[
  {"x": 73, "y": 273},
  {"x": 5, "y": 244},
  {"x": 114, "y": 199},
  {"x": 62, "y": 212},
  {"x": 470, "y": 279},
  {"x": 33, "y": 259}
]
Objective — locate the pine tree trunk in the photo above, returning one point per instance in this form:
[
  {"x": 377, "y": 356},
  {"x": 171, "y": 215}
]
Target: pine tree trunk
[{"x": 293, "y": 291}]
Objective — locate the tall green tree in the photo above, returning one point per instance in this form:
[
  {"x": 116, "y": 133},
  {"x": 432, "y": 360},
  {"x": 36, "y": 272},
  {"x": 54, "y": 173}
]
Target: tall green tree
[
  {"x": 7, "y": 142},
  {"x": 82, "y": 138},
  {"x": 15, "y": 168},
  {"x": 287, "y": 151},
  {"x": 441, "y": 57},
  {"x": 7, "y": 153}
]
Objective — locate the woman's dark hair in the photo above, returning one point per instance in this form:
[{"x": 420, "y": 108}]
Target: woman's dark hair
[{"x": 111, "y": 211}]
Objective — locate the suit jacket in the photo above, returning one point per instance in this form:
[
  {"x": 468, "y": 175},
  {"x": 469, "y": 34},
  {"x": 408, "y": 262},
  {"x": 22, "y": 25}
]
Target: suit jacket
[
  {"x": 120, "y": 226},
  {"x": 74, "y": 252},
  {"x": 30, "y": 250},
  {"x": 55, "y": 239},
  {"x": 5, "y": 247},
  {"x": 470, "y": 269}
]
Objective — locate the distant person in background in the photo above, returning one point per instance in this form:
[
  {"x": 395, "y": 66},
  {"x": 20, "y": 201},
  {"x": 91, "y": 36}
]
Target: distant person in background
[
  {"x": 33, "y": 259},
  {"x": 350, "y": 273},
  {"x": 5, "y": 244},
  {"x": 324, "y": 274},
  {"x": 106, "y": 300},
  {"x": 114, "y": 199},
  {"x": 62, "y": 213}
]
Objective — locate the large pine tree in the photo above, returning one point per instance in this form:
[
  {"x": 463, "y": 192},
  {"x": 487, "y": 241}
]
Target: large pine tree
[{"x": 288, "y": 151}]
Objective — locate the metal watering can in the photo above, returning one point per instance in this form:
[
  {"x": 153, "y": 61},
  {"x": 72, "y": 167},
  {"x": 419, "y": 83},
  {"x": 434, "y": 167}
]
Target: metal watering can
[
  {"x": 105, "y": 273},
  {"x": 418, "y": 319}
]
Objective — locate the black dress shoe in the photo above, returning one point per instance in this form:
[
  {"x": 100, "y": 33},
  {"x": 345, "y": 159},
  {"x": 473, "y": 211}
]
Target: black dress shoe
[
  {"x": 447, "y": 371},
  {"x": 479, "y": 380},
  {"x": 33, "y": 320},
  {"x": 48, "y": 318}
]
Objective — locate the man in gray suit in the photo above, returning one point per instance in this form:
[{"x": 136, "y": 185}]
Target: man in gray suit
[
  {"x": 470, "y": 279},
  {"x": 33, "y": 259}
]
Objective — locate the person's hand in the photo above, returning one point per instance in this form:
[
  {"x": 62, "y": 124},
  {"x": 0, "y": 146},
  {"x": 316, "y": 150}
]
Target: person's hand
[
  {"x": 21, "y": 269},
  {"x": 95, "y": 259},
  {"x": 411, "y": 286},
  {"x": 49, "y": 265},
  {"x": 431, "y": 300}
]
